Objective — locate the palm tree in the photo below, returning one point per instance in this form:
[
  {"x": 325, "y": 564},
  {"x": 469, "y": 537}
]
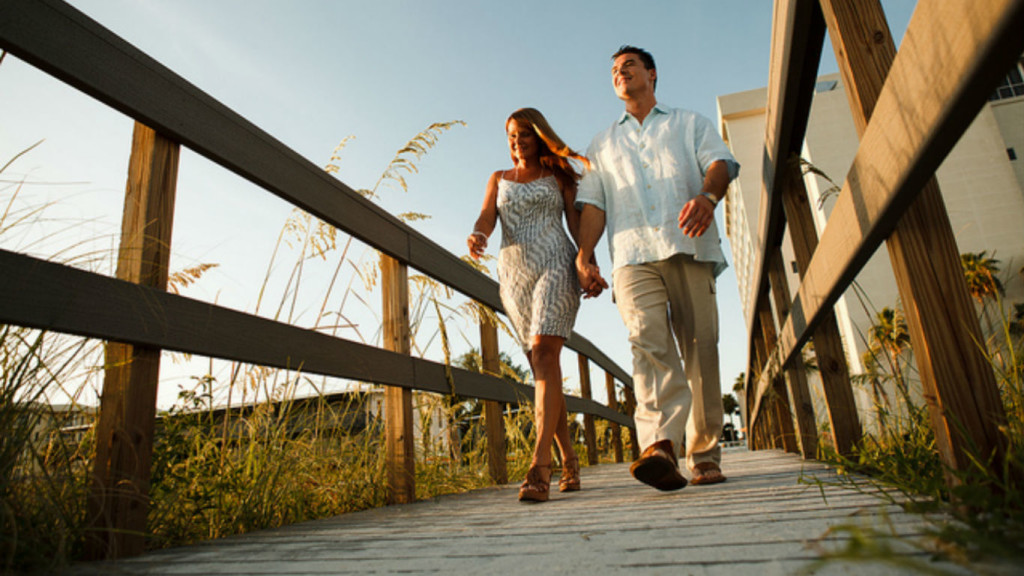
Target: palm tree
[
  {"x": 729, "y": 405},
  {"x": 889, "y": 335},
  {"x": 980, "y": 273}
]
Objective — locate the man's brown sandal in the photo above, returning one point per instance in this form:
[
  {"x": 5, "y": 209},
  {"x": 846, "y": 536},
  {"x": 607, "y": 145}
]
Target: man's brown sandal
[
  {"x": 707, "y": 473},
  {"x": 570, "y": 479},
  {"x": 535, "y": 488},
  {"x": 658, "y": 467}
]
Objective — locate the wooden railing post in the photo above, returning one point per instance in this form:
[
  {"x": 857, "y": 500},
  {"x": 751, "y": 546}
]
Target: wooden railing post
[
  {"x": 119, "y": 499},
  {"x": 959, "y": 385},
  {"x": 766, "y": 411},
  {"x": 828, "y": 346},
  {"x": 398, "y": 415},
  {"x": 589, "y": 432},
  {"x": 780, "y": 401},
  {"x": 613, "y": 403},
  {"x": 634, "y": 445},
  {"x": 796, "y": 378},
  {"x": 494, "y": 419}
]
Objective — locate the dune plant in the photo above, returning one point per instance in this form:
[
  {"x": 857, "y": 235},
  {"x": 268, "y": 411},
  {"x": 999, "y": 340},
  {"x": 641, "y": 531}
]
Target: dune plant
[
  {"x": 978, "y": 519},
  {"x": 45, "y": 444}
]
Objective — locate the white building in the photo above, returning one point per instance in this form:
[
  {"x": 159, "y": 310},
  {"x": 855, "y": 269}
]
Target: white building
[{"x": 982, "y": 183}]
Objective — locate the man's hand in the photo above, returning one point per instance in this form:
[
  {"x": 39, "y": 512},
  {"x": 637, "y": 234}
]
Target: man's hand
[
  {"x": 696, "y": 216},
  {"x": 590, "y": 277}
]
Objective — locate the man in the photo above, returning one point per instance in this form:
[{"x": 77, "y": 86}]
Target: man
[{"x": 658, "y": 173}]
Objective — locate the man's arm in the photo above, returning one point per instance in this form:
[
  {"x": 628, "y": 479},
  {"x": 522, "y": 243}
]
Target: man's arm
[
  {"x": 592, "y": 221},
  {"x": 699, "y": 212}
]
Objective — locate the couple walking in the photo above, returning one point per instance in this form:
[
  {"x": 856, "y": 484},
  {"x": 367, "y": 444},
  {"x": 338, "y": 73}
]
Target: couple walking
[{"x": 653, "y": 180}]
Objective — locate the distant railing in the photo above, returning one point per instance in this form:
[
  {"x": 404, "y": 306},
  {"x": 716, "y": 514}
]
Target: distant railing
[
  {"x": 910, "y": 109},
  {"x": 139, "y": 318}
]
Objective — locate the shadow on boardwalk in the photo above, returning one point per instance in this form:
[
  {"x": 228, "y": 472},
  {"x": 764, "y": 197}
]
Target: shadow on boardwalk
[{"x": 762, "y": 521}]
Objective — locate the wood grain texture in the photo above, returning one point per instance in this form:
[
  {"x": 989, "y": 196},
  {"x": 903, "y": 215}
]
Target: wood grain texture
[
  {"x": 796, "y": 378},
  {"x": 119, "y": 501},
  {"x": 50, "y": 296},
  {"x": 607, "y": 528},
  {"x": 613, "y": 403},
  {"x": 400, "y": 453},
  {"x": 494, "y": 420},
  {"x": 844, "y": 422},
  {"x": 589, "y": 431}
]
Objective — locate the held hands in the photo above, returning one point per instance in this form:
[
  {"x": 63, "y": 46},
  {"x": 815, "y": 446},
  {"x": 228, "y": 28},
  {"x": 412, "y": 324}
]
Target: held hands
[
  {"x": 590, "y": 277},
  {"x": 696, "y": 216},
  {"x": 477, "y": 242}
]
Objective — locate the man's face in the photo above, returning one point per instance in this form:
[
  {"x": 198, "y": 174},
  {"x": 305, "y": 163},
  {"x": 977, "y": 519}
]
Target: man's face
[{"x": 630, "y": 77}]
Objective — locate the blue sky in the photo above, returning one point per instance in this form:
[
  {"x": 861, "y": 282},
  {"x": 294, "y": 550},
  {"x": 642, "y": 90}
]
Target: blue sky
[{"x": 313, "y": 72}]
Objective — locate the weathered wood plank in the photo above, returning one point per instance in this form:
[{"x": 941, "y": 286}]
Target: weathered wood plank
[
  {"x": 613, "y": 403},
  {"x": 494, "y": 419},
  {"x": 400, "y": 453},
  {"x": 796, "y": 377},
  {"x": 113, "y": 71},
  {"x": 959, "y": 384},
  {"x": 54, "y": 297},
  {"x": 607, "y": 528},
  {"x": 119, "y": 500},
  {"x": 589, "y": 431}
]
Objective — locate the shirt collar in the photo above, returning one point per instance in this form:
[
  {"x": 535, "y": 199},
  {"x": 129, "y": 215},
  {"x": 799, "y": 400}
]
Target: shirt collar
[{"x": 659, "y": 108}]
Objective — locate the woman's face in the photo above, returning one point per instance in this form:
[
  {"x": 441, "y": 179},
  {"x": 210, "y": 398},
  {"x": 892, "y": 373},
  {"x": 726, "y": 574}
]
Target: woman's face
[{"x": 522, "y": 140}]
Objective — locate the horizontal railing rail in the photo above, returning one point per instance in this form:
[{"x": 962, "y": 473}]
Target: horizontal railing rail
[{"x": 51, "y": 296}]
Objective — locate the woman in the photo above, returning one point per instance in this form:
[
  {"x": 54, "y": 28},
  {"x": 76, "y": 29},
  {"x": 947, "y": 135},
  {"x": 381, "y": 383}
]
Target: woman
[{"x": 537, "y": 275}]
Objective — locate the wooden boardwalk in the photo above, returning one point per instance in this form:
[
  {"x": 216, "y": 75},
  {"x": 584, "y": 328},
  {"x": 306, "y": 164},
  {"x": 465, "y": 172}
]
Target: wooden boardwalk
[{"x": 763, "y": 521}]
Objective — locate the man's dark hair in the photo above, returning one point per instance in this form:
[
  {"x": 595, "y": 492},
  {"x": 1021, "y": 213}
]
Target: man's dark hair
[{"x": 644, "y": 56}]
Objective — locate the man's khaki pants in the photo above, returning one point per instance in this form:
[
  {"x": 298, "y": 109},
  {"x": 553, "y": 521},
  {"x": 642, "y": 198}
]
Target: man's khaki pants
[{"x": 656, "y": 300}]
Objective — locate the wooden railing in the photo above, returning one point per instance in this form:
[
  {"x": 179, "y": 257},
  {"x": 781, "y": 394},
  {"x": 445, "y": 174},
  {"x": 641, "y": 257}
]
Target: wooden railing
[
  {"x": 139, "y": 318},
  {"x": 910, "y": 109}
]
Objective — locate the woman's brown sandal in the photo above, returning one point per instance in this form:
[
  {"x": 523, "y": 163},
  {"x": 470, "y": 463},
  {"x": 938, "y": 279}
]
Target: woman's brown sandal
[
  {"x": 570, "y": 479},
  {"x": 535, "y": 488}
]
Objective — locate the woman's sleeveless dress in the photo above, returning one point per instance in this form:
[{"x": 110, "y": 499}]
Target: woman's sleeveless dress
[{"x": 536, "y": 264}]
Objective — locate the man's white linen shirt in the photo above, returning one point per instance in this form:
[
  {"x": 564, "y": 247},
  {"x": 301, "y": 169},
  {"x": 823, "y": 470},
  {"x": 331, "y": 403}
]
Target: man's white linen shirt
[{"x": 641, "y": 176}]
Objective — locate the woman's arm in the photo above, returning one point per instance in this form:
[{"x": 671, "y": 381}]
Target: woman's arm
[
  {"x": 488, "y": 219},
  {"x": 572, "y": 215}
]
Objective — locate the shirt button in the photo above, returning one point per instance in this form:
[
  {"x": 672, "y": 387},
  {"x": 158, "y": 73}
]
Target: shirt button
[{"x": 652, "y": 205}]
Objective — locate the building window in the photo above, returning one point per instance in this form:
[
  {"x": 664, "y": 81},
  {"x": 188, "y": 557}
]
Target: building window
[
  {"x": 1011, "y": 153},
  {"x": 1012, "y": 85},
  {"x": 792, "y": 264}
]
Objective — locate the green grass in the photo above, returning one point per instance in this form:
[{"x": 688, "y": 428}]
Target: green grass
[{"x": 977, "y": 520}]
